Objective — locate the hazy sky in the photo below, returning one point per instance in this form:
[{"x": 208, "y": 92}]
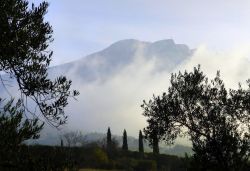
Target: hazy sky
[
  {"x": 85, "y": 26},
  {"x": 219, "y": 29}
]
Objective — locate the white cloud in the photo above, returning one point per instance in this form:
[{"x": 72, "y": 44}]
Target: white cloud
[
  {"x": 233, "y": 64},
  {"x": 116, "y": 102},
  {"x": 82, "y": 27}
]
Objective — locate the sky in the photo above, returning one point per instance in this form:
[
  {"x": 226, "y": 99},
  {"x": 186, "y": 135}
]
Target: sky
[
  {"x": 82, "y": 27},
  {"x": 218, "y": 29}
]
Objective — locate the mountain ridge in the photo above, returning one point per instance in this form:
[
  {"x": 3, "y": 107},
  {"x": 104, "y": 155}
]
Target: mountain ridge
[
  {"x": 132, "y": 41},
  {"x": 114, "y": 82},
  {"x": 122, "y": 53}
]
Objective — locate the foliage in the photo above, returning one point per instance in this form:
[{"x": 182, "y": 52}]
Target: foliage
[
  {"x": 56, "y": 158},
  {"x": 38, "y": 158},
  {"x": 62, "y": 143},
  {"x": 125, "y": 141},
  {"x": 145, "y": 165},
  {"x": 109, "y": 140},
  {"x": 100, "y": 157},
  {"x": 154, "y": 131},
  {"x": 112, "y": 145},
  {"x": 215, "y": 119},
  {"x": 24, "y": 56},
  {"x": 14, "y": 129},
  {"x": 141, "y": 148}
]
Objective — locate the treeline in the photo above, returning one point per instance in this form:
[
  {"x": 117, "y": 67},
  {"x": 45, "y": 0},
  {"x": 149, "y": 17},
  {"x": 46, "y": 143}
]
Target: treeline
[
  {"x": 45, "y": 158},
  {"x": 69, "y": 155},
  {"x": 105, "y": 154}
]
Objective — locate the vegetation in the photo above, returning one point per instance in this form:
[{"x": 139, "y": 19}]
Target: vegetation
[
  {"x": 14, "y": 129},
  {"x": 125, "y": 142},
  {"x": 95, "y": 156},
  {"x": 141, "y": 148},
  {"x": 25, "y": 57},
  {"x": 90, "y": 156},
  {"x": 215, "y": 119},
  {"x": 109, "y": 142}
]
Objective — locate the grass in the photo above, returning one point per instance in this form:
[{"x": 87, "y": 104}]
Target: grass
[{"x": 95, "y": 170}]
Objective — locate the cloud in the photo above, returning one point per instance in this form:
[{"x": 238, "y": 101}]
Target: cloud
[
  {"x": 232, "y": 64},
  {"x": 116, "y": 101},
  {"x": 83, "y": 27}
]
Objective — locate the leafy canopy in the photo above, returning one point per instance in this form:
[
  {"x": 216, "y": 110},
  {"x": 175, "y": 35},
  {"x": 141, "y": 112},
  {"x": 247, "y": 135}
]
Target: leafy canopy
[
  {"x": 214, "y": 118},
  {"x": 25, "y": 56}
]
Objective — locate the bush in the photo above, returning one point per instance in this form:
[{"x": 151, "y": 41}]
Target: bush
[
  {"x": 145, "y": 165},
  {"x": 100, "y": 157}
]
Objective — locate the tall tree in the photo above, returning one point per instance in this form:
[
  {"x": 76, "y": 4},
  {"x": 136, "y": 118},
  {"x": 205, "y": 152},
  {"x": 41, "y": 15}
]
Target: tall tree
[
  {"x": 141, "y": 148},
  {"x": 215, "y": 119},
  {"x": 25, "y": 57},
  {"x": 14, "y": 129},
  {"x": 125, "y": 141},
  {"x": 155, "y": 144},
  {"x": 62, "y": 143},
  {"x": 154, "y": 132},
  {"x": 109, "y": 140}
]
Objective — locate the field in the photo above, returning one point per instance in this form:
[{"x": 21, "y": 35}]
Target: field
[{"x": 97, "y": 170}]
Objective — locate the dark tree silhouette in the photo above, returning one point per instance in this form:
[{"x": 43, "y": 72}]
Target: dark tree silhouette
[
  {"x": 141, "y": 148},
  {"x": 125, "y": 141},
  {"x": 215, "y": 119},
  {"x": 154, "y": 132},
  {"x": 155, "y": 144},
  {"x": 62, "y": 143},
  {"x": 14, "y": 129},
  {"x": 111, "y": 146},
  {"x": 109, "y": 140},
  {"x": 25, "y": 57}
]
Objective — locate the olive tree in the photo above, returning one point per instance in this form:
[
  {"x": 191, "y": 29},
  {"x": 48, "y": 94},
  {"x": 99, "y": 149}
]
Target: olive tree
[
  {"x": 25, "y": 58},
  {"x": 215, "y": 119}
]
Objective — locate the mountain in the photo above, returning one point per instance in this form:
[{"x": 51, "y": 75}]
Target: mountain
[
  {"x": 114, "y": 82},
  {"x": 166, "y": 55},
  {"x": 109, "y": 61}
]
